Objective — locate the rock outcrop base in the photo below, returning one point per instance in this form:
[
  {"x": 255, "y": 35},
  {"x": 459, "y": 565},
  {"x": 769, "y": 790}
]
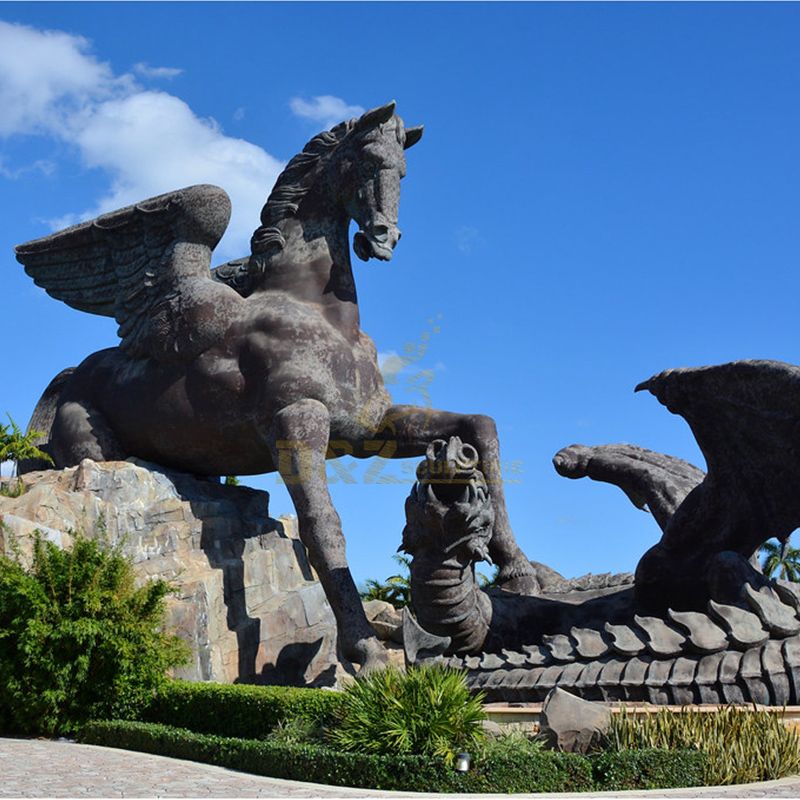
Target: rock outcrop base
[{"x": 247, "y": 601}]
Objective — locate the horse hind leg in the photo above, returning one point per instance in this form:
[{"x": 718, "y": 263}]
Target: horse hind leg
[
  {"x": 80, "y": 431},
  {"x": 42, "y": 421}
]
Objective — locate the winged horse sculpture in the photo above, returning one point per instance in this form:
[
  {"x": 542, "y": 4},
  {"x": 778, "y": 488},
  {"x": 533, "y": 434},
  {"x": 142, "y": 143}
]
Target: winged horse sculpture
[{"x": 261, "y": 366}]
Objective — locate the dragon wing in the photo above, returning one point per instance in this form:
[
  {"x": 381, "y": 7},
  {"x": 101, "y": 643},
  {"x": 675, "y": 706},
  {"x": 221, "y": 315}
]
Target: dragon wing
[
  {"x": 134, "y": 264},
  {"x": 745, "y": 416}
]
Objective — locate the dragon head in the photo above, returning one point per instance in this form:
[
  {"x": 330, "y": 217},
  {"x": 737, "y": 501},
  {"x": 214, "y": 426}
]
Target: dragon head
[{"x": 449, "y": 513}]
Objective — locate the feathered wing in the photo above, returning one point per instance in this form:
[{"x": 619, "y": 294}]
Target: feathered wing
[
  {"x": 745, "y": 416},
  {"x": 134, "y": 264}
]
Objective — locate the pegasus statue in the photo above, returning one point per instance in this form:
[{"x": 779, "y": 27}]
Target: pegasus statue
[
  {"x": 261, "y": 365},
  {"x": 699, "y": 623}
]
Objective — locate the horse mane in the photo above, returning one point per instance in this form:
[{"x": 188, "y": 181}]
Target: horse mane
[{"x": 292, "y": 186}]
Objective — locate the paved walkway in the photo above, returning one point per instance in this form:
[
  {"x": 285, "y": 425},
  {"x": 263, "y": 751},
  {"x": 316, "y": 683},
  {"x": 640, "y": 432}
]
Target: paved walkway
[{"x": 43, "y": 768}]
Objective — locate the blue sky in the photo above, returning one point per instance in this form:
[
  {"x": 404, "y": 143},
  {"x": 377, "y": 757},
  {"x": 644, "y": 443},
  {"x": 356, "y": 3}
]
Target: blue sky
[{"x": 602, "y": 192}]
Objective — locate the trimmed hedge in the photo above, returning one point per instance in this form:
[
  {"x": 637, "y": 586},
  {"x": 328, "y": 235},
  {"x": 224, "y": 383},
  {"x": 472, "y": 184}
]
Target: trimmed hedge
[
  {"x": 537, "y": 771},
  {"x": 238, "y": 710},
  {"x": 312, "y": 763},
  {"x": 648, "y": 769}
]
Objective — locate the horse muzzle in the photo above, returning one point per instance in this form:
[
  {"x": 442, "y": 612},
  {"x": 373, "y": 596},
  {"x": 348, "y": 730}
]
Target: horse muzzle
[{"x": 377, "y": 241}]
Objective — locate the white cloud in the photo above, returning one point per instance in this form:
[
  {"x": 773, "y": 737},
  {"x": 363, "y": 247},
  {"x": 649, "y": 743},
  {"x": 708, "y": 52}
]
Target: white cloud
[
  {"x": 152, "y": 142},
  {"x": 147, "y": 142},
  {"x": 239, "y": 114},
  {"x": 41, "y": 165},
  {"x": 46, "y": 76},
  {"x": 325, "y": 109},
  {"x": 146, "y": 71}
]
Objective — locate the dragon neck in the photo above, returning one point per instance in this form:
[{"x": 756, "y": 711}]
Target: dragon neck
[{"x": 448, "y": 601}]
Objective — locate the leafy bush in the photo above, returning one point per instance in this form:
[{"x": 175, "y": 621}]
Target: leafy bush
[
  {"x": 425, "y": 711},
  {"x": 12, "y": 488},
  {"x": 648, "y": 769},
  {"x": 540, "y": 771},
  {"x": 297, "y": 731},
  {"x": 533, "y": 771},
  {"x": 314, "y": 763},
  {"x": 742, "y": 745},
  {"x": 77, "y": 639},
  {"x": 238, "y": 710},
  {"x": 514, "y": 742}
]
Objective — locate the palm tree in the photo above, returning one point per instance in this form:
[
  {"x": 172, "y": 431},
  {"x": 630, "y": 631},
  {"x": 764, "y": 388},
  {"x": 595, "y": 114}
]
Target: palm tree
[
  {"x": 396, "y": 589},
  {"x": 17, "y": 446},
  {"x": 781, "y": 558}
]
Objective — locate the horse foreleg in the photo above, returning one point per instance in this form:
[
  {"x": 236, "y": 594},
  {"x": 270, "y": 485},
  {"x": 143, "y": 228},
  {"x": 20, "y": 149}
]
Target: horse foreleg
[
  {"x": 406, "y": 432},
  {"x": 299, "y": 440}
]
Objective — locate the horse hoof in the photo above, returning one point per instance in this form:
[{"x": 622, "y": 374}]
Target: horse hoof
[{"x": 370, "y": 654}]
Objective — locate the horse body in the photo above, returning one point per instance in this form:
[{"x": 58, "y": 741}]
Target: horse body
[
  {"x": 265, "y": 368},
  {"x": 212, "y": 416}
]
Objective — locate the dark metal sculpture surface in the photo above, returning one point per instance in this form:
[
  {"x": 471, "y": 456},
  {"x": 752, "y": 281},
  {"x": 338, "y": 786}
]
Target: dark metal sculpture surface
[
  {"x": 263, "y": 367},
  {"x": 701, "y": 623}
]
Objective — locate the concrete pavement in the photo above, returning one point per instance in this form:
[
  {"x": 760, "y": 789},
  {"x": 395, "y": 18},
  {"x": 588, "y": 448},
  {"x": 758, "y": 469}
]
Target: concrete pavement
[{"x": 45, "y": 768}]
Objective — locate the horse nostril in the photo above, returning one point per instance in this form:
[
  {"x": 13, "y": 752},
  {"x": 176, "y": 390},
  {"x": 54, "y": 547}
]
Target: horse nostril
[{"x": 380, "y": 233}]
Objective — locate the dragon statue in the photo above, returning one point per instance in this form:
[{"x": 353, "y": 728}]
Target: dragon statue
[{"x": 698, "y": 624}]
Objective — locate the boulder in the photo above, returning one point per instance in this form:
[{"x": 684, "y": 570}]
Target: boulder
[
  {"x": 385, "y": 619},
  {"x": 573, "y": 725},
  {"x": 248, "y": 602}
]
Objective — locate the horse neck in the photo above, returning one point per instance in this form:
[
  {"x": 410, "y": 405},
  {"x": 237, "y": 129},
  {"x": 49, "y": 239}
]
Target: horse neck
[{"x": 314, "y": 266}]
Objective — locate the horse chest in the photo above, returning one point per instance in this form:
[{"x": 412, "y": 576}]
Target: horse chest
[{"x": 307, "y": 358}]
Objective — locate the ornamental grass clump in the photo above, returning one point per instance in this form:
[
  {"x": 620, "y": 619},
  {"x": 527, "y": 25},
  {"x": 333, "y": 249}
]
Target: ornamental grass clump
[
  {"x": 426, "y": 711},
  {"x": 78, "y": 640},
  {"x": 742, "y": 745}
]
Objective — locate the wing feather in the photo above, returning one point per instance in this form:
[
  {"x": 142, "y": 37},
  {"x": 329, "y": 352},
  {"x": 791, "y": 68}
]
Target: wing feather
[{"x": 128, "y": 263}]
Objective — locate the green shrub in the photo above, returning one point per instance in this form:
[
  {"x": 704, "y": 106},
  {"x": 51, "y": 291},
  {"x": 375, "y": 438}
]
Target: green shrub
[
  {"x": 238, "y": 710},
  {"x": 313, "y": 763},
  {"x": 512, "y": 743},
  {"x": 425, "y": 711},
  {"x": 536, "y": 772},
  {"x": 648, "y": 769},
  {"x": 741, "y": 745},
  {"x": 77, "y": 639},
  {"x": 12, "y": 488},
  {"x": 297, "y": 731},
  {"x": 530, "y": 770}
]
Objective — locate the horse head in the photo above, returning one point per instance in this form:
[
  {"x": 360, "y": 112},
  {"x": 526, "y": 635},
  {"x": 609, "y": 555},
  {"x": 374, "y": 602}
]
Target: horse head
[
  {"x": 370, "y": 169},
  {"x": 352, "y": 171}
]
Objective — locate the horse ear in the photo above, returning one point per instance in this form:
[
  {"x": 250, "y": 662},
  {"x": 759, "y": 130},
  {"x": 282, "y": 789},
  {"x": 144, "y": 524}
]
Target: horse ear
[
  {"x": 413, "y": 135},
  {"x": 376, "y": 116}
]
